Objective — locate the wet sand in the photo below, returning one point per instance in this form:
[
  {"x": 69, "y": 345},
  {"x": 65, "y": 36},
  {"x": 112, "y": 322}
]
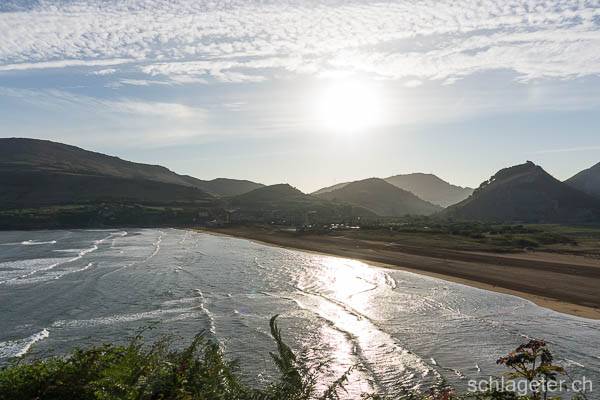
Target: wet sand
[{"x": 567, "y": 284}]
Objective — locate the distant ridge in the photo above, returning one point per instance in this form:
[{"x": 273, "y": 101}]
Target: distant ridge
[
  {"x": 284, "y": 199},
  {"x": 41, "y": 172},
  {"x": 273, "y": 193},
  {"x": 380, "y": 197},
  {"x": 587, "y": 181},
  {"x": 427, "y": 187},
  {"x": 527, "y": 193},
  {"x": 330, "y": 188},
  {"x": 431, "y": 188}
]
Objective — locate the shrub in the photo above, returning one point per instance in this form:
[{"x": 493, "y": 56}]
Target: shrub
[{"x": 201, "y": 372}]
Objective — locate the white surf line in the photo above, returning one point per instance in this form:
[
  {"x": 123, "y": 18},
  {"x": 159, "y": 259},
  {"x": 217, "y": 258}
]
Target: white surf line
[
  {"x": 484, "y": 319},
  {"x": 405, "y": 358},
  {"x": 156, "y": 246},
  {"x": 33, "y": 242},
  {"x": 154, "y": 253},
  {"x": 365, "y": 320},
  {"x": 81, "y": 254},
  {"x": 28, "y": 243},
  {"x": 456, "y": 371},
  {"x": 117, "y": 235},
  {"x": 357, "y": 350},
  {"x": 88, "y": 266},
  {"x": 211, "y": 318},
  {"x": 194, "y": 304},
  {"x": 185, "y": 237},
  {"x": 20, "y": 347}
]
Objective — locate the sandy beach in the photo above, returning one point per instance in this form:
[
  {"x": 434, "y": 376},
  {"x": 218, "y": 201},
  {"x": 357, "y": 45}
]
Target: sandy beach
[{"x": 567, "y": 284}]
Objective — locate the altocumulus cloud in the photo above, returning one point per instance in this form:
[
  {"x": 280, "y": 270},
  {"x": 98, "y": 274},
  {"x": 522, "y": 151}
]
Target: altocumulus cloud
[
  {"x": 240, "y": 41},
  {"x": 57, "y": 99},
  {"x": 121, "y": 121}
]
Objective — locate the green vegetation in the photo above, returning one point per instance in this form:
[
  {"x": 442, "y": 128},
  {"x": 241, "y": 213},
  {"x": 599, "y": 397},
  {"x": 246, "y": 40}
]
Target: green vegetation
[
  {"x": 527, "y": 193},
  {"x": 285, "y": 205},
  {"x": 380, "y": 197},
  {"x": 105, "y": 215},
  {"x": 423, "y": 231},
  {"x": 200, "y": 371}
]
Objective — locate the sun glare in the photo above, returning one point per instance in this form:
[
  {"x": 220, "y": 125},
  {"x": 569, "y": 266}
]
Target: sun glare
[{"x": 348, "y": 106}]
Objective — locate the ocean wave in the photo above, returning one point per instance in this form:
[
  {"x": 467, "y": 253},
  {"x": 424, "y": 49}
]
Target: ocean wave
[
  {"x": 20, "y": 347},
  {"x": 389, "y": 361},
  {"x": 13, "y": 271},
  {"x": 35, "y": 242},
  {"x": 156, "y": 247},
  {"x": 168, "y": 308},
  {"x": 85, "y": 268},
  {"x": 121, "y": 318},
  {"x": 29, "y": 276}
]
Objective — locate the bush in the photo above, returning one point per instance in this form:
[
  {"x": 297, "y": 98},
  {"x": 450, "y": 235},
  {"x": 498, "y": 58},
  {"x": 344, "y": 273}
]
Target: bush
[{"x": 201, "y": 372}]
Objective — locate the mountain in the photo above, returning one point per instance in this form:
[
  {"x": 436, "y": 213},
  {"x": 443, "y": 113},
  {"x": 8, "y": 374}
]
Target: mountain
[
  {"x": 527, "y": 193},
  {"x": 431, "y": 188},
  {"x": 224, "y": 187},
  {"x": 283, "y": 201},
  {"x": 40, "y": 172},
  {"x": 587, "y": 181},
  {"x": 428, "y": 187},
  {"x": 330, "y": 188},
  {"x": 380, "y": 197}
]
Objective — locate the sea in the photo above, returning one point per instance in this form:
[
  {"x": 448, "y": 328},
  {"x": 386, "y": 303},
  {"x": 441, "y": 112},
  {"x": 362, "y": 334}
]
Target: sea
[{"x": 394, "y": 330}]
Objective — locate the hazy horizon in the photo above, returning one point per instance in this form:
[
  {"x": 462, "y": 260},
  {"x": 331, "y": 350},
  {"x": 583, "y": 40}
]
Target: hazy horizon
[{"x": 308, "y": 94}]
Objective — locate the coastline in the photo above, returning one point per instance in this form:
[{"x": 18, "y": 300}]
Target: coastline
[{"x": 423, "y": 265}]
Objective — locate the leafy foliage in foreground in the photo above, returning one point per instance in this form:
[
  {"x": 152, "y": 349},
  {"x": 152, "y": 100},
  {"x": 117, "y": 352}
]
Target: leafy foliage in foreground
[
  {"x": 201, "y": 372},
  {"x": 135, "y": 371}
]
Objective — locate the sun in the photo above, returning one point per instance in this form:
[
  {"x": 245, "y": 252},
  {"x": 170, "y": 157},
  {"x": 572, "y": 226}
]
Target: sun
[{"x": 348, "y": 106}]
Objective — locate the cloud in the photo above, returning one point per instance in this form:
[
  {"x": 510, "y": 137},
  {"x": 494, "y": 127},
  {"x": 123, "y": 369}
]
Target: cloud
[
  {"x": 170, "y": 110},
  {"x": 568, "y": 150},
  {"x": 59, "y": 99},
  {"x": 413, "y": 83},
  {"x": 61, "y": 64},
  {"x": 107, "y": 71},
  {"x": 125, "y": 121},
  {"x": 240, "y": 41},
  {"x": 135, "y": 82}
]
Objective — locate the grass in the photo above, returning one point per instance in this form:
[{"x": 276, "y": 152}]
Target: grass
[
  {"x": 201, "y": 372},
  {"x": 478, "y": 236}
]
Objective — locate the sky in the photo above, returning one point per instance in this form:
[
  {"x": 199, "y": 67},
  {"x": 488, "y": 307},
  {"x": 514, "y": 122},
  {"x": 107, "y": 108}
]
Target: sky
[{"x": 308, "y": 92}]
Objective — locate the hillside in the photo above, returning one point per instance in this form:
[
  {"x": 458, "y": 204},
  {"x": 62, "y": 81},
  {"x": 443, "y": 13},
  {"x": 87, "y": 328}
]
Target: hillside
[
  {"x": 427, "y": 187},
  {"x": 42, "y": 158},
  {"x": 587, "y": 181},
  {"x": 37, "y": 173},
  {"x": 431, "y": 188},
  {"x": 527, "y": 193},
  {"x": 36, "y": 189},
  {"x": 283, "y": 201},
  {"x": 330, "y": 188},
  {"x": 224, "y": 187},
  {"x": 381, "y": 198}
]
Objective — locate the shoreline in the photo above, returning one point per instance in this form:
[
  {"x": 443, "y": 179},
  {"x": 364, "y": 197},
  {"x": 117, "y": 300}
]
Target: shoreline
[{"x": 307, "y": 245}]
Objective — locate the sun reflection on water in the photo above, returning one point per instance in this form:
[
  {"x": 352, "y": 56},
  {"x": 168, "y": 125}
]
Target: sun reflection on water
[{"x": 345, "y": 294}]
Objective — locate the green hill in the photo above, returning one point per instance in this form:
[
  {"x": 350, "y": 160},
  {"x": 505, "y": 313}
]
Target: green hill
[
  {"x": 381, "y": 198},
  {"x": 284, "y": 202},
  {"x": 39, "y": 173},
  {"x": 527, "y": 193},
  {"x": 427, "y": 187}
]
